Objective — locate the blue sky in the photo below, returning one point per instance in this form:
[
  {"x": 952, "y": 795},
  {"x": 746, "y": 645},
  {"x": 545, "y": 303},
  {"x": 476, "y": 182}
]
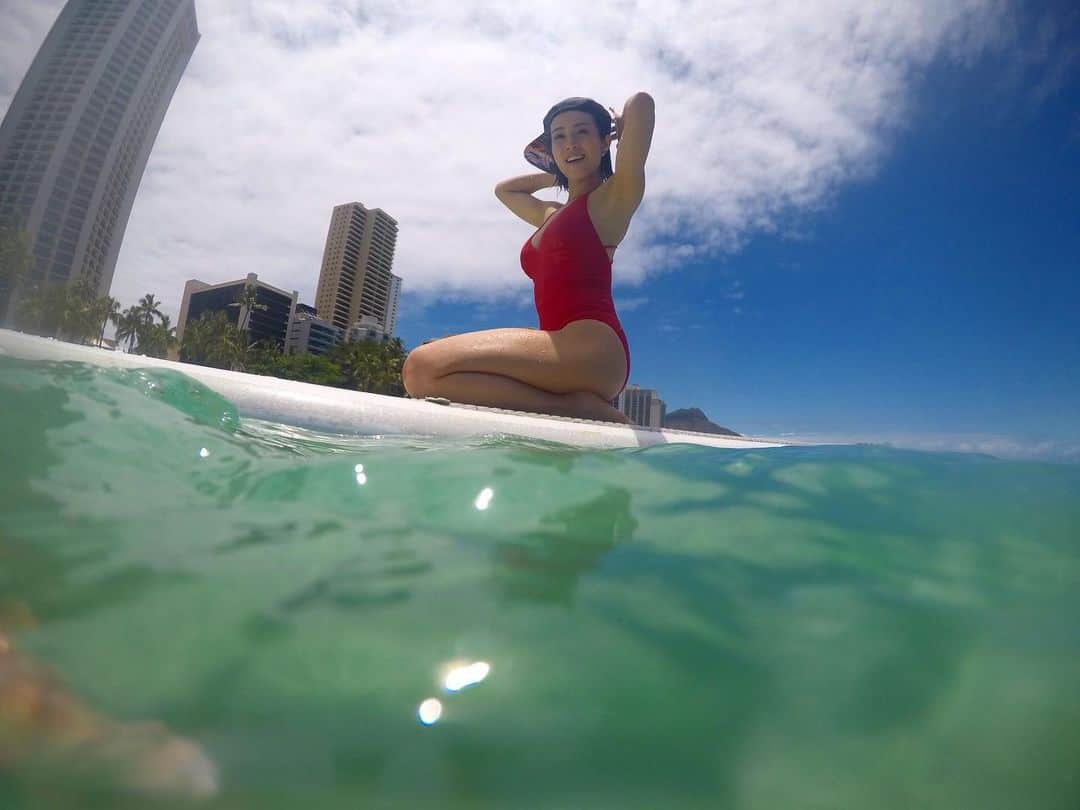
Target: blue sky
[{"x": 935, "y": 303}]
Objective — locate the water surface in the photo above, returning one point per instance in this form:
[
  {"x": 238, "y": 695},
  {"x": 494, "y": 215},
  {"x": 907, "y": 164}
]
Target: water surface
[{"x": 676, "y": 626}]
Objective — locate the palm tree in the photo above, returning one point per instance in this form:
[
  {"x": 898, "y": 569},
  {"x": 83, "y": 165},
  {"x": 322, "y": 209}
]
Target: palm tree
[
  {"x": 128, "y": 324},
  {"x": 195, "y": 345},
  {"x": 360, "y": 364},
  {"x": 108, "y": 310},
  {"x": 212, "y": 341},
  {"x": 31, "y": 309},
  {"x": 393, "y": 357},
  {"x": 157, "y": 339},
  {"x": 15, "y": 261},
  {"x": 148, "y": 309},
  {"x": 43, "y": 309},
  {"x": 247, "y": 300},
  {"x": 80, "y": 322},
  {"x": 238, "y": 345}
]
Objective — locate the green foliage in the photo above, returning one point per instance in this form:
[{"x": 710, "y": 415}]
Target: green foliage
[
  {"x": 81, "y": 319},
  {"x": 310, "y": 368},
  {"x": 136, "y": 326},
  {"x": 157, "y": 339},
  {"x": 107, "y": 309},
  {"x": 213, "y": 341},
  {"x": 41, "y": 310},
  {"x": 127, "y": 327},
  {"x": 15, "y": 261},
  {"x": 147, "y": 309},
  {"x": 77, "y": 314},
  {"x": 55, "y": 310},
  {"x": 372, "y": 367}
]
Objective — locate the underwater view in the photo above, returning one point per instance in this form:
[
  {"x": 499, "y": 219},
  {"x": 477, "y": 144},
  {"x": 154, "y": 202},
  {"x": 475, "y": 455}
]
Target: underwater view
[{"x": 251, "y": 615}]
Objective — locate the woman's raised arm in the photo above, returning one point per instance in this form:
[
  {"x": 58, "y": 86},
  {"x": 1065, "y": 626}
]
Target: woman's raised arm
[
  {"x": 635, "y": 131},
  {"x": 517, "y": 195}
]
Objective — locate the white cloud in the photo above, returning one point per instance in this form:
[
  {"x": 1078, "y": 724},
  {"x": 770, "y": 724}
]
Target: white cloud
[
  {"x": 288, "y": 109},
  {"x": 629, "y": 304}
]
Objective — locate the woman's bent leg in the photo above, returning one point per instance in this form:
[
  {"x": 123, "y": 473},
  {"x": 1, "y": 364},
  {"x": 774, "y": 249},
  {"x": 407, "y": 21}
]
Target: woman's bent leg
[
  {"x": 584, "y": 356},
  {"x": 497, "y": 391}
]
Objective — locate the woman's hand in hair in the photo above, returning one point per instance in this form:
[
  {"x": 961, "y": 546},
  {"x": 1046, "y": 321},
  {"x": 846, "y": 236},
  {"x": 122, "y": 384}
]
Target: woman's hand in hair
[{"x": 616, "y": 124}]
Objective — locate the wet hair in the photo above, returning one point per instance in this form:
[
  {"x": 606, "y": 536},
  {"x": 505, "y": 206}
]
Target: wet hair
[{"x": 602, "y": 119}]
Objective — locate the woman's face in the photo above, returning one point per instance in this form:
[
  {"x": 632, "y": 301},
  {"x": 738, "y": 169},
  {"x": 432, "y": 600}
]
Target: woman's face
[{"x": 576, "y": 145}]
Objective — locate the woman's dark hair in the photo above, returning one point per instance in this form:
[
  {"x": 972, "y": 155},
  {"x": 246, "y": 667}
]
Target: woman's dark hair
[{"x": 602, "y": 119}]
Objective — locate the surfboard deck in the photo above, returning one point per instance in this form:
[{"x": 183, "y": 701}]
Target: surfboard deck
[{"x": 337, "y": 410}]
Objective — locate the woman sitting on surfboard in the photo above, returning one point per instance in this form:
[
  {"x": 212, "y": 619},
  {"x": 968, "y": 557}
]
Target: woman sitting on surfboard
[{"x": 579, "y": 359}]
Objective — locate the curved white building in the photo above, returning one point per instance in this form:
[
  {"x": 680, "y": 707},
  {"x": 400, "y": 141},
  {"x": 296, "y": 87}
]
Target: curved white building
[{"x": 75, "y": 141}]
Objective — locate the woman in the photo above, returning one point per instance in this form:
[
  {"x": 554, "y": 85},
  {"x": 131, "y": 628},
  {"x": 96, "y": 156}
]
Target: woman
[{"x": 579, "y": 359}]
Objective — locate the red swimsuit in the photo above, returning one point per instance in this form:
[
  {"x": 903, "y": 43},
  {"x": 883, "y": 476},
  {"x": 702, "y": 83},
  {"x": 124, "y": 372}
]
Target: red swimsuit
[{"x": 571, "y": 273}]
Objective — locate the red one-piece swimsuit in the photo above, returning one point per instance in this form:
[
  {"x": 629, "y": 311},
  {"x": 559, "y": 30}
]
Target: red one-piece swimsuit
[{"x": 571, "y": 273}]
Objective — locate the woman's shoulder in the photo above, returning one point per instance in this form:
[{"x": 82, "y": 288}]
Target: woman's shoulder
[{"x": 610, "y": 201}]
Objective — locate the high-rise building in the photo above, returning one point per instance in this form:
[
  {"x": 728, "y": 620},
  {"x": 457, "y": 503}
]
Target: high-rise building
[
  {"x": 75, "y": 141},
  {"x": 355, "y": 279},
  {"x": 267, "y": 321},
  {"x": 642, "y": 405},
  {"x": 390, "y": 319}
]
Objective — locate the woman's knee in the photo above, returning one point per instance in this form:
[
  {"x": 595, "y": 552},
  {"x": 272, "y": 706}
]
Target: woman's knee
[
  {"x": 417, "y": 372},
  {"x": 410, "y": 377}
]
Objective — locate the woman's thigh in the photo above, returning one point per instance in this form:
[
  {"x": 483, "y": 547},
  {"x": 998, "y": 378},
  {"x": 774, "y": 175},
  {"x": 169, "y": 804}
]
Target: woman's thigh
[{"x": 583, "y": 356}]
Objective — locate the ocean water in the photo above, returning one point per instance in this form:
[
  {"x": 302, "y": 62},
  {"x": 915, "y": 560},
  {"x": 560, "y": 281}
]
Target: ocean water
[{"x": 816, "y": 627}]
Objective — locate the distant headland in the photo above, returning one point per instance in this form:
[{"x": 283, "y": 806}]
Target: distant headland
[{"x": 695, "y": 419}]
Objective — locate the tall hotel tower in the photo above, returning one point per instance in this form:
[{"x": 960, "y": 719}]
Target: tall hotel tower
[
  {"x": 355, "y": 279},
  {"x": 77, "y": 136}
]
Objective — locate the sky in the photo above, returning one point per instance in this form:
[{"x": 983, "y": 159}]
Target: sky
[{"x": 860, "y": 223}]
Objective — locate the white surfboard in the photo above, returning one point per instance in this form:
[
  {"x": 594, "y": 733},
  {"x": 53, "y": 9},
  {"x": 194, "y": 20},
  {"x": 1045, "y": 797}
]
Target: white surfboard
[{"x": 336, "y": 410}]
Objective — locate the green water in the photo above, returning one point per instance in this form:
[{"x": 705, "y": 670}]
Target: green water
[{"x": 679, "y": 626}]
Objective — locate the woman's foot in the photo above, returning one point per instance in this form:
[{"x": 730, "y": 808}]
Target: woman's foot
[{"x": 586, "y": 405}]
